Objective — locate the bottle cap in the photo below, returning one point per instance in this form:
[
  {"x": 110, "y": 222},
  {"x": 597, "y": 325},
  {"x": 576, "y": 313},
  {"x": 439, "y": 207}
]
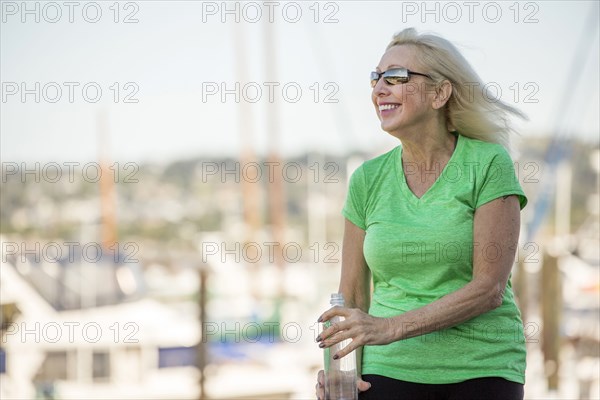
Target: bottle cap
[{"x": 337, "y": 299}]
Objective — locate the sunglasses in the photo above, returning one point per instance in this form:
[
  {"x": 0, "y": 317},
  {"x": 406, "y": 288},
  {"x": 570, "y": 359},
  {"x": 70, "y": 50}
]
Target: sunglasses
[{"x": 394, "y": 76}]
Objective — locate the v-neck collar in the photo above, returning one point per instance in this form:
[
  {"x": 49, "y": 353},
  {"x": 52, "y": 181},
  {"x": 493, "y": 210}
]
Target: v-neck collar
[{"x": 402, "y": 178}]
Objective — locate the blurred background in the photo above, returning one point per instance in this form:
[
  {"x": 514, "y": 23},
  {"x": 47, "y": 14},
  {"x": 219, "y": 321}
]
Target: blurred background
[{"x": 173, "y": 175}]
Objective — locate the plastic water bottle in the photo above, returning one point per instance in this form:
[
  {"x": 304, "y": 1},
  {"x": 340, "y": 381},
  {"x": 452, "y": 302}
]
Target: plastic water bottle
[{"x": 340, "y": 374}]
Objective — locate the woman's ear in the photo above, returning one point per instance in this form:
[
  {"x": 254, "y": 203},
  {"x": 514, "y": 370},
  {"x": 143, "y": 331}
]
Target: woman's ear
[{"x": 442, "y": 94}]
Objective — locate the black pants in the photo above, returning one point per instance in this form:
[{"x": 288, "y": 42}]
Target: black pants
[{"x": 384, "y": 388}]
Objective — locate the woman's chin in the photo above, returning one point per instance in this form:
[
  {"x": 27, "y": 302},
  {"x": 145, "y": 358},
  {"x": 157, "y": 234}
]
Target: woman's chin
[{"x": 389, "y": 127}]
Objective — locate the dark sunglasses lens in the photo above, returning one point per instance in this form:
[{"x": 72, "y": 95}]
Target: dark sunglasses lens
[
  {"x": 396, "y": 80},
  {"x": 374, "y": 78},
  {"x": 391, "y": 77},
  {"x": 396, "y": 76}
]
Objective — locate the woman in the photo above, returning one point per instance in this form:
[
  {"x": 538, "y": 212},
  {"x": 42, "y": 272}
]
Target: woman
[{"x": 435, "y": 223}]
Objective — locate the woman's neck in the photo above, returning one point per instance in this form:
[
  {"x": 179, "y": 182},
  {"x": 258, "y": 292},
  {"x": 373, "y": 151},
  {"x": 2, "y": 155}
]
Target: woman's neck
[{"x": 430, "y": 149}]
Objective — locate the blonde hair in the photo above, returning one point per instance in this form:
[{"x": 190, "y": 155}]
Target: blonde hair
[{"x": 469, "y": 110}]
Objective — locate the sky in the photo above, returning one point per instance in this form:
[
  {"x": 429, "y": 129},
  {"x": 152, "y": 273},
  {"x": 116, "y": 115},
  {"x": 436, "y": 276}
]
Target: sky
[{"x": 186, "y": 79}]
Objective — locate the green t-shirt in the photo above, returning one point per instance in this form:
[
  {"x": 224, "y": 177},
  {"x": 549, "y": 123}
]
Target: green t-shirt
[{"x": 420, "y": 249}]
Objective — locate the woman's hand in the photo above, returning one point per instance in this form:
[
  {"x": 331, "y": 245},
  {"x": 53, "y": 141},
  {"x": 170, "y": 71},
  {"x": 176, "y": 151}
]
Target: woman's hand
[
  {"x": 320, "y": 386},
  {"x": 357, "y": 325}
]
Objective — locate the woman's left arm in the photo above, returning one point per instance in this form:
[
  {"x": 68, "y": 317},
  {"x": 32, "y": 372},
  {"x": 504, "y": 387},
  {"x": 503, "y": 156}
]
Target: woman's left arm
[{"x": 496, "y": 223}]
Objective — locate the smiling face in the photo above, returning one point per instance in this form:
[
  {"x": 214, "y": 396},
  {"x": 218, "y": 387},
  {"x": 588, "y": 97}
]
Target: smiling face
[{"x": 406, "y": 108}]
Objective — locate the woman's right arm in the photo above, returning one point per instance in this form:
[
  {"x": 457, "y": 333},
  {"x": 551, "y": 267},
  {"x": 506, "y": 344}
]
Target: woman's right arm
[
  {"x": 355, "y": 285},
  {"x": 355, "y": 280}
]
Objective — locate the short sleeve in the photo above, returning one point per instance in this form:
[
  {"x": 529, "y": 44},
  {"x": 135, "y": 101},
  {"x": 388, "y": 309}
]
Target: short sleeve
[
  {"x": 499, "y": 179},
  {"x": 356, "y": 199}
]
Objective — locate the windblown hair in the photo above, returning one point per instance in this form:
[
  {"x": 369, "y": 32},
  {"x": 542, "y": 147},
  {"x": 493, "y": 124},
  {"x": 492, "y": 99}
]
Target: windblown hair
[{"x": 469, "y": 110}]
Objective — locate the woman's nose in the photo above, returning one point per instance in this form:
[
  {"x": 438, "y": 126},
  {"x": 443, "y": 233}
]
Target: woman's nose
[{"x": 380, "y": 88}]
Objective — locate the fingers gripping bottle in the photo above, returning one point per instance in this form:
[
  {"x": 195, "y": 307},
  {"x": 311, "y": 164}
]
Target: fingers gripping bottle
[{"x": 340, "y": 374}]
